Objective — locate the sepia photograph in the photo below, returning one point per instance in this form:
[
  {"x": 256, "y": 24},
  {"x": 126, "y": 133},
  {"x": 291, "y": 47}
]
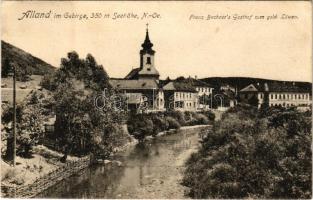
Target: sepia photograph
[{"x": 156, "y": 99}]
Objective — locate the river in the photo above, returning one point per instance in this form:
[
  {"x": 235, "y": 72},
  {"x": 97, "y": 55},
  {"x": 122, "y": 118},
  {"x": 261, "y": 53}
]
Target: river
[{"x": 149, "y": 170}]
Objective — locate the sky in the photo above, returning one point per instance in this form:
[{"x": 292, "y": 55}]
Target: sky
[{"x": 275, "y": 49}]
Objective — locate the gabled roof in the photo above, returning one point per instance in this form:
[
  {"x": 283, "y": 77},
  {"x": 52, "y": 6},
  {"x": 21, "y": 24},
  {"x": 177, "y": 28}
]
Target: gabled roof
[
  {"x": 274, "y": 87},
  {"x": 133, "y": 84},
  {"x": 179, "y": 86},
  {"x": 249, "y": 88},
  {"x": 196, "y": 82}
]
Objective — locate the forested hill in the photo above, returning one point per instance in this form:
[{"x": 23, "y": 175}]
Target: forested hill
[
  {"x": 241, "y": 82},
  {"x": 27, "y": 62}
]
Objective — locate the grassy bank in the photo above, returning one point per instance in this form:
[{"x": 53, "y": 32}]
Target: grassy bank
[{"x": 27, "y": 170}]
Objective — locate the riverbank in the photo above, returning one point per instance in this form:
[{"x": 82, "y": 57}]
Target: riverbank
[
  {"x": 27, "y": 170},
  {"x": 46, "y": 161},
  {"x": 171, "y": 131},
  {"x": 152, "y": 169},
  {"x": 166, "y": 183}
]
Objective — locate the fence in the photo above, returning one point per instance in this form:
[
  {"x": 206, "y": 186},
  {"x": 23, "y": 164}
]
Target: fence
[{"x": 48, "y": 180}]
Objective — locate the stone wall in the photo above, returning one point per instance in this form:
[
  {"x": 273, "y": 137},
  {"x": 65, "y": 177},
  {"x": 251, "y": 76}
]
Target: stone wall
[{"x": 43, "y": 183}]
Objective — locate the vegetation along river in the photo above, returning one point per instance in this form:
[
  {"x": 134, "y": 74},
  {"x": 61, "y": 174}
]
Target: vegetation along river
[{"x": 149, "y": 170}]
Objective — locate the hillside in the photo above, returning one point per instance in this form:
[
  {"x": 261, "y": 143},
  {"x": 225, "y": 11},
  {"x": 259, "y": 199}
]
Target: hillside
[
  {"x": 31, "y": 64},
  {"x": 241, "y": 82}
]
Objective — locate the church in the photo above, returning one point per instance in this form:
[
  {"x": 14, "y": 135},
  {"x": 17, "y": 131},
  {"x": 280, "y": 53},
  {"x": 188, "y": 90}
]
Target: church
[
  {"x": 141, "y": 85},
  {"x": 144, "y": 92}
]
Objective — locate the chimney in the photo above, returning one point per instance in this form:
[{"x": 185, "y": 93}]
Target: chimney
[
  {"x": 293, "y": 83},
  {"x": 266, "y": 87},
  {"x": 196, "y": 77}
]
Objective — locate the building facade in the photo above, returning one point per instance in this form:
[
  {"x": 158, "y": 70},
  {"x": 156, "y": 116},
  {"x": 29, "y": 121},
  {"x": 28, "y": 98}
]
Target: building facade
[
  {"x": 276, "y": 94},
  {"x": 180, "y": 96}
]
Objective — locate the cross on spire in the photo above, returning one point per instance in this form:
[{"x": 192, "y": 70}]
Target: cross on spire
[{"x": 147, "y": 24}]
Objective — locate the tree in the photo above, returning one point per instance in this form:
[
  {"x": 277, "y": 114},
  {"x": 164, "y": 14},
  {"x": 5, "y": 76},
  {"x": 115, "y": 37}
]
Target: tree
[
  {"x": 6, "y": 68},
  {"x": 80, "y": 126}
]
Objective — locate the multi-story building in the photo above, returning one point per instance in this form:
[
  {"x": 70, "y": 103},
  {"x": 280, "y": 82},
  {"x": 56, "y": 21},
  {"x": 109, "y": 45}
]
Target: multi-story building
[
  {"x": 205, "y": 92},
  {"x": 180, "y": 96},
  {"x": 285, "y": 94}
]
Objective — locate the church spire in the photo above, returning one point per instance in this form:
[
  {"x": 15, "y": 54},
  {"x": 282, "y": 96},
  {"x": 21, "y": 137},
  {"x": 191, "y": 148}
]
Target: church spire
[{"x": 147, "y": 45}]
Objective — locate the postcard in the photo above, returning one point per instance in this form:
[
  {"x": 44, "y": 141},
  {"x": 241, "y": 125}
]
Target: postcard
[{"x": 156, "y": 99}]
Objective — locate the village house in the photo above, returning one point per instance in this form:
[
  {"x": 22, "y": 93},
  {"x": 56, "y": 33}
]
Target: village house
[
  {"x": 204, "y": 90},
  {"x": 285, "y": 94},
  {"x": 180, "y": 96}
]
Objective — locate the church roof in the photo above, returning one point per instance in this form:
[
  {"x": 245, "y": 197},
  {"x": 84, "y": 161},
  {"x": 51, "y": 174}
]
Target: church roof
[
  {"x": 147, "y": 45},
  {"x": 149, "y": 71},
  {"x": 133, "y": 84},
  {"x": 132, "y": 74}
]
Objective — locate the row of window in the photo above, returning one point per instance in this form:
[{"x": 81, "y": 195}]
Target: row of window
[
  {"x": 183, "y": 95},
  {"x": 180, "y": 104},
  {"x": 287, "y": 104},
  {"x": 288, "y": 96},
  {"x": 202, "y": 89}
]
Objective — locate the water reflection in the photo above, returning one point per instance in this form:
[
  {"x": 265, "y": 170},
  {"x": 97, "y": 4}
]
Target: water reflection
[{"x": 140, "y": 165}]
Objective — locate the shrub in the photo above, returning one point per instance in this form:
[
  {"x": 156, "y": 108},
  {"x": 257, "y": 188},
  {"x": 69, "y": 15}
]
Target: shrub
[
  {"x": 172, "y": 123},
  {"x": 210, "y": 115},
  {"x": 140, "y": 126},
  {"x": 200, "y": 119},
  {"x": 159, "y": 124},
  {"x": 246, "y": 155},
  {"x": 179, "y": 116},
  {"x": 33, "y": 98}
]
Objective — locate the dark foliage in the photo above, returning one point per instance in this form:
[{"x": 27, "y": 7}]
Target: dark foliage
[
  {"x": 80, "y": 126},
  {"x": 249, "y": 155},
  {"x": 143, "y": 125}
]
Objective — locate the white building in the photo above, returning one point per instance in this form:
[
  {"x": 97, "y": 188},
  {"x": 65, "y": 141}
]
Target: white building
[{"x": 285, "y": 94}]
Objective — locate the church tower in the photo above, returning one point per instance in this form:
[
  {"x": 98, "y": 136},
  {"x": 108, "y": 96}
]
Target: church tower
[{"x": 147, "y": 68}]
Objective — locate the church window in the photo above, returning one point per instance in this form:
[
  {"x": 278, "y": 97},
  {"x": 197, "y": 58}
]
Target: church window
[
  {"x": 271, "y": 96},
  {"x": 149, "y": 60}
]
